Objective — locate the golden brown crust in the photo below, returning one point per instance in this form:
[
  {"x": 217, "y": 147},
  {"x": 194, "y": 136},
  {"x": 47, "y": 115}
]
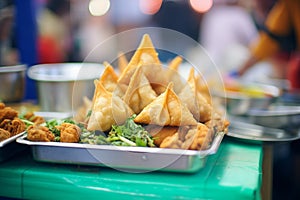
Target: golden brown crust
[
  {"x": 139, "y": 92},
  {"x": 69, "y": 132},
  {"x": 107, "y": 110},
  {"x": 34, "y": 118},
  {"x": 159, "y": 133},
  {"x": 109, "y": 78},
  {"x": 14, "y": 126},
  {"x": 4, "y": 134},
  {"x": 122, "y": 62},
  {"x": 39, "y": 133},
  {"x": 196, "y": 137},
  {"x": 166, "y": 110},
  {"x": 7, "y": 112},
  {"x": 145, "y": 54}
]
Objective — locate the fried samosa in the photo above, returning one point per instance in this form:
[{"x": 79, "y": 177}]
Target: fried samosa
[
  {"x": 166, "y": 110},
  {"x": 107, "y": 109},
  {"x": 139, "y": 92},
  {"x": 122, "y": 62},
  {"x": 109, "y": 78},
  {"x": 172, "y": 74},
  {"x": 193, "y": 99},
  {"x": 145, "y": 54}
]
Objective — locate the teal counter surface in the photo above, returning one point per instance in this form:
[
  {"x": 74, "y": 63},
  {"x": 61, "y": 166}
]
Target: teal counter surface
[{"x": 235, "y": 172}]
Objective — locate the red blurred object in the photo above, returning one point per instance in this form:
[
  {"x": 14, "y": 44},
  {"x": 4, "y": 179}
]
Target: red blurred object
[
  {"x": 294, "y": 71},
  {"x": 49, "y": 51}
]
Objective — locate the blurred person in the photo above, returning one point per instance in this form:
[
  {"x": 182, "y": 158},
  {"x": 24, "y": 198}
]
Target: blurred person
[
  {"x": 92, "y": 34},
  {"x": 178, "y": 16},
  {"x": 260, "y": 10},
  {"x": 226, "y": 31},
  {"x": 8, "y": 48},
  {"x": 53, "y": 31},
  {"x": 279, "y": 37}
]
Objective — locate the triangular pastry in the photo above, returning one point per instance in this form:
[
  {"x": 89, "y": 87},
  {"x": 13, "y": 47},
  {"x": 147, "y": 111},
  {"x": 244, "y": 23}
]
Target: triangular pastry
[
  {"x": 194, "y": 100},
  {"x": 109, "y": 78},
  {"x": 139, "y": 92},
  {"x": 166, "y": 110},
  {"x": 107, "y": 109},
  {"x": 173, "y": 75},
  {"x": 122, "y": 62},
  {"x": 145, "y": 54}
]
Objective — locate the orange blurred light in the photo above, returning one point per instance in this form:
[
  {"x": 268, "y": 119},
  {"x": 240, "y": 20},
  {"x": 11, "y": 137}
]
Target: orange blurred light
[
  {"x": 150, "y": 7},
  {"x": 201, "y": 6}
]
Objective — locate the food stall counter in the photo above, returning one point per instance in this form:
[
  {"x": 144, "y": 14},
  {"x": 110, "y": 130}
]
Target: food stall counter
[{"x": 234, "y": 172}]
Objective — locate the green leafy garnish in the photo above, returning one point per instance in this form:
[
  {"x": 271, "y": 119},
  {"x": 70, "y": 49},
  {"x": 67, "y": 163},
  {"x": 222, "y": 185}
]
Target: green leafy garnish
[
  {"x": 130, "y": 134},
  {"x": 92, "y": 137}
]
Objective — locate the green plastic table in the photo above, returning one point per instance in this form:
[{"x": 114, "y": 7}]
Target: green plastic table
[{"x": 234, "y": 172}]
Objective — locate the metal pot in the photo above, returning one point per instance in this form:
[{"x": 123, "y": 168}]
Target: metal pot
[
  {"x": 62, "y": 86},
  {"x": 12, "y": 86}
]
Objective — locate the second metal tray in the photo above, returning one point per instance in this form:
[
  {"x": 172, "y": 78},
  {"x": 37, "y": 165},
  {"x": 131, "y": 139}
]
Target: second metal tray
[
  {"x": 10, "y": 147},
  {"x": 131, "y": 159},
  {"x": 253, "y": 132}
]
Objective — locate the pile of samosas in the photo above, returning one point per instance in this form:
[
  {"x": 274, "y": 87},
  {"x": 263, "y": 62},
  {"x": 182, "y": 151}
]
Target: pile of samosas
[{"x": 177, "y": 111}]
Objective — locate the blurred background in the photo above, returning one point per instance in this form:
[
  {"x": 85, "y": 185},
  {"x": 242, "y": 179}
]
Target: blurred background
[{"x": 53, "y": 31}]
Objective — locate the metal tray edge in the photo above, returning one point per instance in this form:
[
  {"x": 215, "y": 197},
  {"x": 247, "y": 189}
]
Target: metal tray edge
[
  {"x": 202, "y": 153},
  {"x": 11, "y": 139}
]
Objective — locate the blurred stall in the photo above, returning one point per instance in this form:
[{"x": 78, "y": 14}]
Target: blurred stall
[{"x": 62, "y": 31}]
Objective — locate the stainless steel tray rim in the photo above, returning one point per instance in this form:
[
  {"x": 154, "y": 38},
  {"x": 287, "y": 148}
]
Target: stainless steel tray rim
[
  {"x": 201, "y": 153},
  {"x": 11, "y": 139},
  {"x": 256, "y": 132},
  {"x": 273, "y": 113},
  {"x": 122, "y": 158}
]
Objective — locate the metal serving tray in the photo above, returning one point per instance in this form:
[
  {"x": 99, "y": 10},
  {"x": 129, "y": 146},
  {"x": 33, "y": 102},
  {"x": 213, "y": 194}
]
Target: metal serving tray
[
  {"x": 276, "y": 117},
  {"x": 253, "y": 132},
  {"x": 133, "y": 159},
  {"x": 10, "y": 147}
]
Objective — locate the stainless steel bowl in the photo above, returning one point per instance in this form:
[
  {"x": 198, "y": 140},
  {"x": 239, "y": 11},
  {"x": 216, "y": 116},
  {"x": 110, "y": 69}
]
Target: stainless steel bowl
[
  {"x": 62, "y": 86},
  {"x": 12, "y": 86},
  {"x": 238, "y": 103},
  {"x": 277, "y": 117}
]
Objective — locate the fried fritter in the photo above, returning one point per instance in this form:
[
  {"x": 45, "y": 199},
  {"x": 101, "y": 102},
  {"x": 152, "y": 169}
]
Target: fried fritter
[
  {"x": 69, "y": 132},
  {"x": 7, "y": 112},
  {"x": 189, "y": 137},
  {"x": 14, "y": 126},
  {"x": 34, "y": 118},
  {"x": 198, "y": 138},
  {"x": 218, "y": 124},
  {"x": 172, "y": 141},
  {"x": 4, "y": 134},
  {"x": 39, "y": 133},
  {"x": 159, "y": 133}
]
